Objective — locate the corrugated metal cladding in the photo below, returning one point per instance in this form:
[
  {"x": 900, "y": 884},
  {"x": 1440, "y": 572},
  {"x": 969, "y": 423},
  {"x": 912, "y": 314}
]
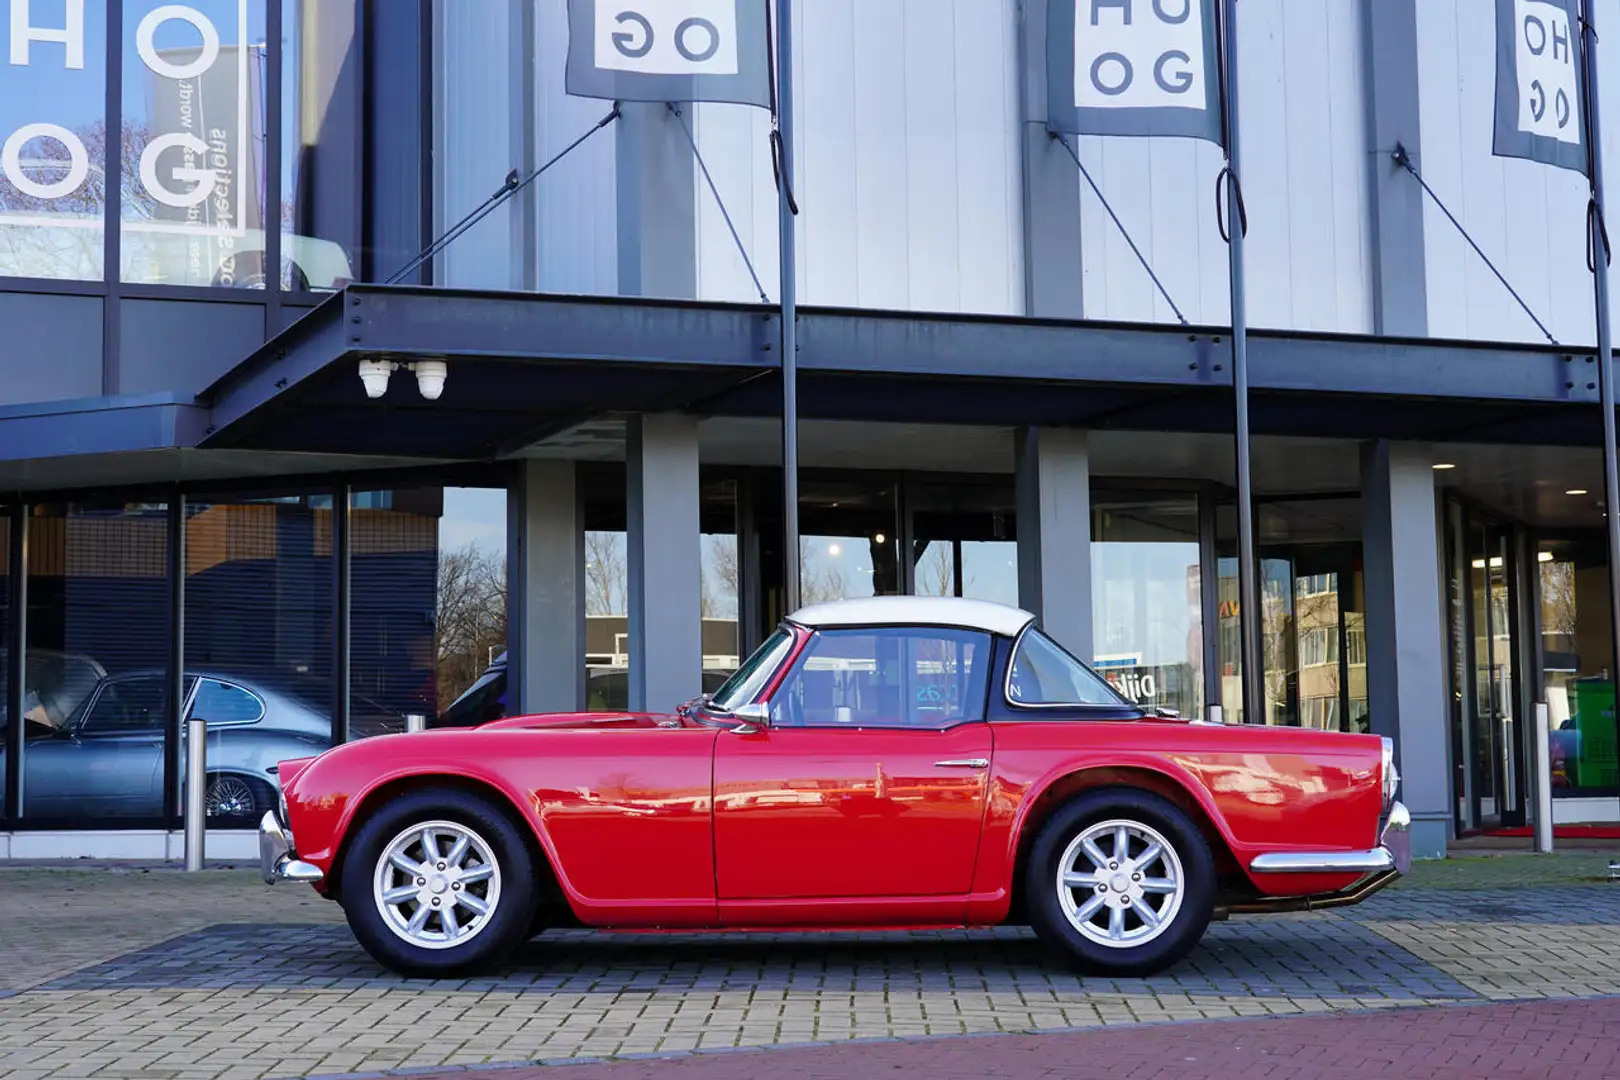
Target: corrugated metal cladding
[{"x": 911, "y": 184}]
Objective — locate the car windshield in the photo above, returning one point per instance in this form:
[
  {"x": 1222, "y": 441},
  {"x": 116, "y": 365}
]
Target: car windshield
[{"x": 747, "y": 681}]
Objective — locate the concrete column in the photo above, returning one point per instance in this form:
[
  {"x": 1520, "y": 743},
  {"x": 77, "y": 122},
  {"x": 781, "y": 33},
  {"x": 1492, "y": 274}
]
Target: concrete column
[
  {"x": 545, "y": 596},
  {"x": 657, "y": 204},
  {"x": 1052, "y": 283},
  {"x": 1389, "y": 53},
  {"x": 1406, "y": 643},
  {"x": 1054, "y": 533},
  {"x": 665, "y": 555}
]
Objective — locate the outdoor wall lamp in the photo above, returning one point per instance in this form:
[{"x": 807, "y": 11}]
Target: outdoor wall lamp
[{"x": 430, "y": 376}]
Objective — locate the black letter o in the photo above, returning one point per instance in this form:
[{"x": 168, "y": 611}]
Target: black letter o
[{"x": 680, "y": 39}]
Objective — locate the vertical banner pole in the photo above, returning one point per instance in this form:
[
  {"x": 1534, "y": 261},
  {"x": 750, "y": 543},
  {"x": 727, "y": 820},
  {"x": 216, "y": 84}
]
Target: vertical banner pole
[
  {"x": 1254, "y": 698},
  {"x": 1605, "y": 334},
  {"x": 790, "y": 303}
]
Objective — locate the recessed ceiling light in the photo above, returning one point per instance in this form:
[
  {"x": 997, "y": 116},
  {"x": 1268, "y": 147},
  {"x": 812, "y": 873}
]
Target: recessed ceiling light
[
  {"x": 1544, "y": 556},
  {"x": 1576, "y": 491},
  {"x": 1441, "y": 466}
]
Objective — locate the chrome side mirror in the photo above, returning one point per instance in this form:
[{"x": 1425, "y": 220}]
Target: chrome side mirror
[{"x": 751, "y": 719}]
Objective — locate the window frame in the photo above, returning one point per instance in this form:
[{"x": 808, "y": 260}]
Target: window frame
[
  {"x": 195, "y": 691},
  {"x": 1121, "y": 709},
  {"x": 984, "y": 638}
]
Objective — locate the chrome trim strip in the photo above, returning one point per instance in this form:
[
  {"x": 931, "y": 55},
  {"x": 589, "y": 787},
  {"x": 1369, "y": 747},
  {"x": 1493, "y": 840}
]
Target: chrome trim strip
[
  {"x": 276, "y": 855},
  {"x": 1323, "y": 862},
  {"x": 1376, "y": 861},
  {"x": 964, "y": 763}
]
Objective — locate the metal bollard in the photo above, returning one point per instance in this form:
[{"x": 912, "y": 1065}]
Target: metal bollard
[
  {"x": 196, "y": 791},
  {"x": 1544, "y": 802},
  {"x": 415, "y": 722}
]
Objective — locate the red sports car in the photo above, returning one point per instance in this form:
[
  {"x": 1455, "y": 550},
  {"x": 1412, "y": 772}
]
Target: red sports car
[{"x": 897, "y": 762}]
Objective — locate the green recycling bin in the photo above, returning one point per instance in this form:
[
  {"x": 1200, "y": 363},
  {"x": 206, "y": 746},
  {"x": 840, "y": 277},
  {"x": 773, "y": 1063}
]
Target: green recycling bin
[{"x": 1596, "y": 765}]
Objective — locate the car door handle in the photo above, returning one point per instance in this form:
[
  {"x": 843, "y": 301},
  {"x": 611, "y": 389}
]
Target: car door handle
[{"x": 964, "y": 763}]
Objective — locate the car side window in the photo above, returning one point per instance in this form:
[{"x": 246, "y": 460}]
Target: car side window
[
  {"x": 892, "y": 677},
  {"x": 1043, "y": 674},
  {"x": 126, "y": 706},
  {"x": 223, "y": 703}
]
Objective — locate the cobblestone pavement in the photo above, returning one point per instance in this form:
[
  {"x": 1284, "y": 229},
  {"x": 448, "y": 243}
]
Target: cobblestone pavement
[
  {"x": 163, "y": 974},
  {"x": 1569, "y": 1040}
]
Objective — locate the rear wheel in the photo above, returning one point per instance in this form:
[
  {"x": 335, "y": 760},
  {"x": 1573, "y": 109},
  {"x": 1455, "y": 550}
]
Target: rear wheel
[
  {"x": 231, "y": 800},
  {"x": 1120, "y": 882},
  {"x": 439, "y": 883}
]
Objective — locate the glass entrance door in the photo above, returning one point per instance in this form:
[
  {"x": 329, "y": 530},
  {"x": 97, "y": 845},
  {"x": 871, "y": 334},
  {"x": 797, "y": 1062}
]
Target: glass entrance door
[
  {"x": 1488, "y": 742},
  {"x": 1495, "y": 753}
]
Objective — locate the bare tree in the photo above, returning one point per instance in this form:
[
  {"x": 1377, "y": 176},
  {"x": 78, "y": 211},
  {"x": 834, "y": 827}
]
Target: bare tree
[
  {"x": 606, "y": 574},
  {"x": 936, "y": 573},
  {"x": 471, "y": 618},
  {"x": 819, "y": 584},
  {"x": 720, "y": 594}
]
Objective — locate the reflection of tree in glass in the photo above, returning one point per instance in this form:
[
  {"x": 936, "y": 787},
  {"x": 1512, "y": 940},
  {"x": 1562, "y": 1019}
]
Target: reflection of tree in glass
[
  {"x": 606, "y": 574},
  {"x": 720, "y": 578},
  {"x": 819, "y": 584},
  {"x": 936, "y": 573},
  {"x": 1558, "y": 598},
  {"x": 70, "y": 252},
  {"x": 471, "y": 619}
]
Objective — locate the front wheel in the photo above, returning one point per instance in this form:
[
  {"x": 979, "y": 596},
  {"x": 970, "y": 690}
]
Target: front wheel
[
  {"x": 1121, "y": 883},
  {"x": 439, "y": 883}
]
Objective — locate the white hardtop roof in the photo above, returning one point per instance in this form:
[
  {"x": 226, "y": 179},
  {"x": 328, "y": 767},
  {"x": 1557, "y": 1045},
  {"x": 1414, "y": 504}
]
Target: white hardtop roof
[{"x": 915, "y": 611}]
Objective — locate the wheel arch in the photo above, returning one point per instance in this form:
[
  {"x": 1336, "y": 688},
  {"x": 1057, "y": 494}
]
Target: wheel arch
[
  {"x": 550, "y": 889},
  {"x": 1063, "y": 789}
]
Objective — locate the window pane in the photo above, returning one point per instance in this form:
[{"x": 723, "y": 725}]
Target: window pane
[
  {"x": 193, "y": 154},
  {"x": 259, "y": 617},
  {"x": 1043, "y": 674},
  {"x": 900, "y": 678},
  {"x": 721, "y": 594},
  {"x": 96, "y": 696},
  {"x": 53, "y": 108},
  {"x": 1147, "y": 614},
  {"x": 427, "y": 607},
  {"x": 223, "y": 703},
  {"x": 5, "y": 658},
  {"x": 1576, "y": 649},
  {"x": 320, "y": 144}
]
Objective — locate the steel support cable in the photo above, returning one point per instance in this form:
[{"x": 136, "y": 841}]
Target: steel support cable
[
  {"x": 721, "y": 203},
  {"x": 1120, "y": 225},
  {"x": 1404, "y": 160},
  {"x": 511, "y": 186}
]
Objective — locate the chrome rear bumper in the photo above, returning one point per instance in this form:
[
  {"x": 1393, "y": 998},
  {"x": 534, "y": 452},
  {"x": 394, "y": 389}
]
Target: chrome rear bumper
[
  {"x": 277, "y": 861},
  {"x": 1394, "y": 852}
]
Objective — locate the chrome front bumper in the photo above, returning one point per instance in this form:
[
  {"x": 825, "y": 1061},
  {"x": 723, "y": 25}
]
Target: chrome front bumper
[
  {"x": 277, "y": 861},
  {"x": 1394, "y": 852}
]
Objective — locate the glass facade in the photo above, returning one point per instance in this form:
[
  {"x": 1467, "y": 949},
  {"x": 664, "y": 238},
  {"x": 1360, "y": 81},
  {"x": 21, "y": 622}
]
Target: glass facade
[
  {"x": 1577, "y": 646},
  {"x": 96, "y": 701},
  {"x": 53, "y": 123},
  {"x": 182, "y": 146},
  {"x": 427, "y": 602},
  {"x": 1147, "y": 599}
]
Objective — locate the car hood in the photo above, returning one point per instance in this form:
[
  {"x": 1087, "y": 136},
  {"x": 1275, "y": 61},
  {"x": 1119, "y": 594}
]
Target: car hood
[{"x": 590, "y": 720}]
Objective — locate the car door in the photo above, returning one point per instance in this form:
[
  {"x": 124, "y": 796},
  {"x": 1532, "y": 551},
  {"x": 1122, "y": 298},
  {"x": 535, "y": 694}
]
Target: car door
[
  {"x": 109, "y": 761},
  {"x": 869, "y": 779}
]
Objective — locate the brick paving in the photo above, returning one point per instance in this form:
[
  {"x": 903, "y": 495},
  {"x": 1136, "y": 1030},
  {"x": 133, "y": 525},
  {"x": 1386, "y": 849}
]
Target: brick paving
[
  {"x": 195, "y": 977},
  {"x": 1570, "y": 1040}
]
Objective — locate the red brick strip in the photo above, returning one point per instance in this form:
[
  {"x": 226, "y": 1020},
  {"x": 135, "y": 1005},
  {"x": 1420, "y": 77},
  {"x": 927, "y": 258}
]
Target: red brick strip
[{"x": 1570, "y": 1040}]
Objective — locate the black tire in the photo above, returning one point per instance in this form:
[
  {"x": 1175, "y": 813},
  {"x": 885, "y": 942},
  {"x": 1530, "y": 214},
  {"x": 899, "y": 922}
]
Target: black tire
[
  {"x": 1184, "y": 925},
  {"x": 502, "y": 930},
  {"x": 232, "y": 800}
]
